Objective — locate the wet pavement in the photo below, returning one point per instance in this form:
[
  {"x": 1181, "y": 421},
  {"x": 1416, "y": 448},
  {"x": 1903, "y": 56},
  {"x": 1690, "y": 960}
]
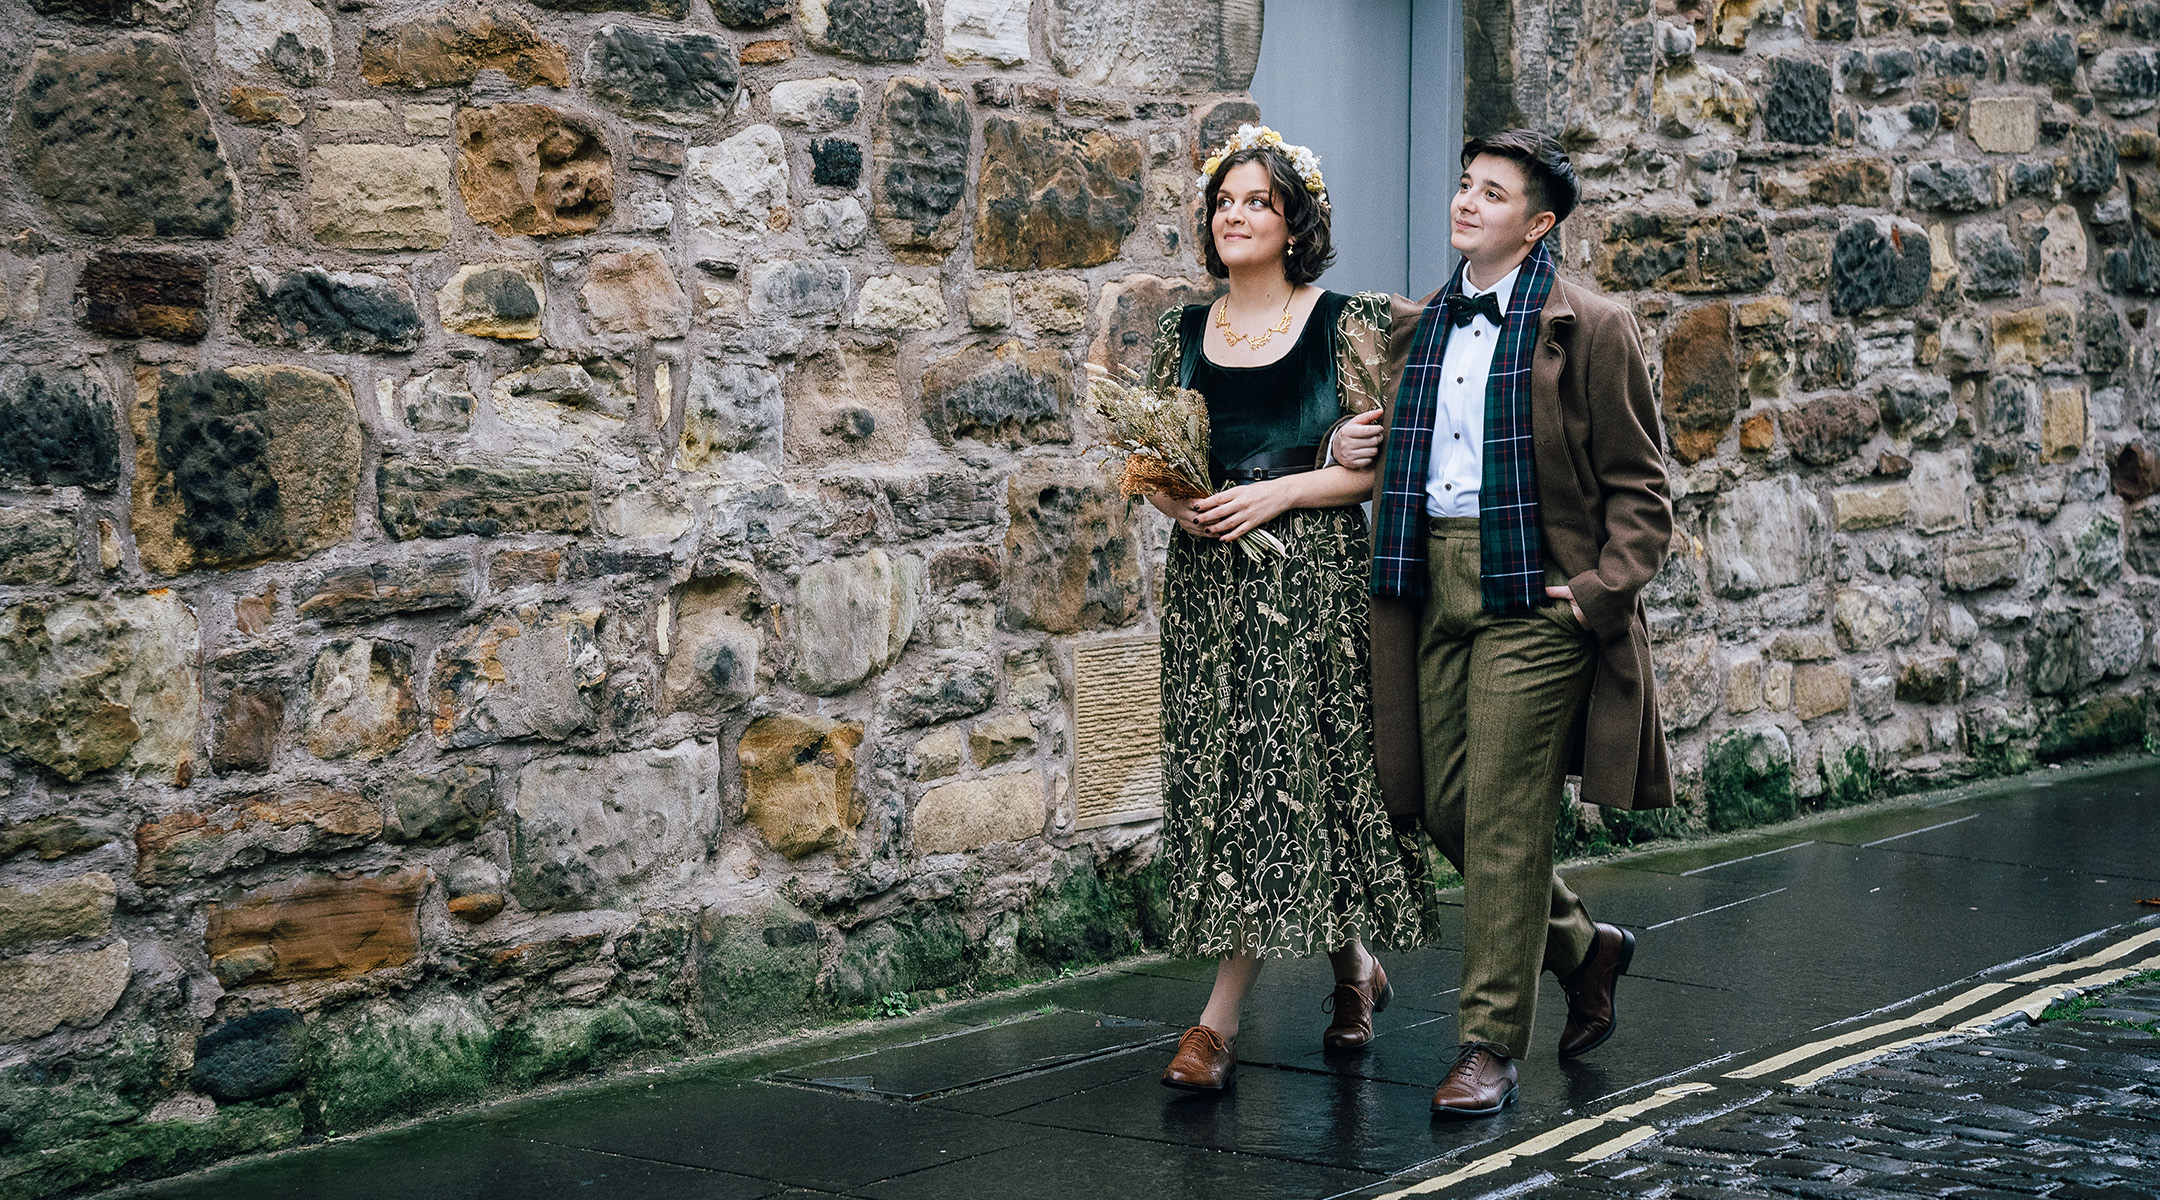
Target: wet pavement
[{"x": 1832, "y": 988}]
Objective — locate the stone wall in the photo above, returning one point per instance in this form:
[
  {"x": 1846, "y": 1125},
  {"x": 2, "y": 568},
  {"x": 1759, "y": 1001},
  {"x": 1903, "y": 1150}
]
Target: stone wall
[
  {"x": 533, "y": 532},
  {"x": 1894, "y": 262}
]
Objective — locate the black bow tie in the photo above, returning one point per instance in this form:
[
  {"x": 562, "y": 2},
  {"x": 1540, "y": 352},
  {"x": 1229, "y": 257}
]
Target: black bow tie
[{"x": 1461, "y": 308}]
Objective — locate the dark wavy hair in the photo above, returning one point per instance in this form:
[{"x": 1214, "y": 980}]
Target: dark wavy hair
[{"x": 1302, "y": 212}]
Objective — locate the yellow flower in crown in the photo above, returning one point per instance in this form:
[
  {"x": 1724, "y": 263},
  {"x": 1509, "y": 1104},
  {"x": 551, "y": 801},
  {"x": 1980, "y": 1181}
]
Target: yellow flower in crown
[{"x": 1260, "y": 137}]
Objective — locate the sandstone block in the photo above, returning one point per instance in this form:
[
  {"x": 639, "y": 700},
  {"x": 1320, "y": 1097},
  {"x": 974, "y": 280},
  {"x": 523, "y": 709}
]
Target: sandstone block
[
  {"x": 1864, "y": 182},
  {"x": 2123, "y": 74},
  {"x": 355, "y": 116},
  {"x": 36, "y": 547},
  {"x": 375, "y": 590},
  {"x": 1154, "y": 46},
  {"x": 1007, "y": 393},
  {"x": 1941, "y": 484},
  {"x": 516, "y": 678},
  {"x": 1702, "y": 381},
  {"x": 41, "y": 992},
  {"x": 367, "y": 197},
  {"x": 532, "y": 169},
  {"x": 994, "y": 31},
  {"x": 2062, "y": 423},
  {"x": 728, "y": 408},
  {"x": 1984, "y": 561},
  {"x": 1052, "y": 303},
  {"x": 2036, "y": 336},
  {"x": 485, "y": 496},
  {"x": 145, "y": 294},
  {"x": 450, "y": 45},
  {"x": 498, "y": 300},
  {"x": 712, "y": 659},
  {"x": 439, "y": 808},
  {"x": 1053, "y": 196},
  {"x": 2003, "y": 124},
  {"x": 921, "y": 148},
  {"x": 733, "y": 189},
  {"x": 247, "y": 730},
  {"x": 635, "y": 292},
  {"x": 799, "y": 781},
  {"x": 81, "y": 907},
  {"x": 1072, "y": 550},
  {"x": 116, "y": 141},
  {"x": 1001, "y": 739},
  {"x": 847, "y": 402},
  {"x": 1125, "y": 316},
  {"x": 2090, "y": 167},
  {"x": 1820, "y": 689},
  {"x": 818, "y": 105},
  {"x": 1701, "y": 98},
  {"x": 1688, "y": 687},
  {"x": 1685, "y": 253},
  {"x": 335, "y": 312},
  {"x": 1870, "y": 506},
  {"x": 1766, "y": 534},
  {"x": 360, "y": 700},
  {"x": 975, "y": 813},
  {"x": 940, "y": 502},
  {"x": 853, "y": 618},
  {"x": 236, "y": 466},
  {"x": 893, "y": 302},
  {"x": 677, "y": 78},
  {"x": 190, "y": 844},
  {"x": 318, "y": 927},
  {"x": 869, "y": 30},
  {"x": 938, "y": 754},
  {"x": 590, "y": 829},
  {"x": 62, "y": 431}
]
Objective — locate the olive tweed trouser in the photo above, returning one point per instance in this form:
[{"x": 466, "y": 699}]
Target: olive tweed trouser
[{"x": 1497, "y": 699}]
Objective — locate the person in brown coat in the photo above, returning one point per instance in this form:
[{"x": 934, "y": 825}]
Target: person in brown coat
[{"x": 1522, "y": 507}]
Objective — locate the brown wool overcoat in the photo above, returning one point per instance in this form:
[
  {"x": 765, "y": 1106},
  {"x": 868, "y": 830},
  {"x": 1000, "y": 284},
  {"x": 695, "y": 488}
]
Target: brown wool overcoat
[{"x": 1603, "y": 502}]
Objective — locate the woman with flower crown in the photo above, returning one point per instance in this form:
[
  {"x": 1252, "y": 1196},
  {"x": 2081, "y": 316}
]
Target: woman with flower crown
[{"x": 1274, "y": 835}]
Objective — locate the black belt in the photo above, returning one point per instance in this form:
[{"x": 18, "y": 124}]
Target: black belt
[{"x": 1273, "y": 465}]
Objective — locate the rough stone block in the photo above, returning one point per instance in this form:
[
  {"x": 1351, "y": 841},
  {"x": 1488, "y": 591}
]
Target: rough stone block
[
  {"x": 1869, "y": 618},
  {"x": 374, "y": 590},
  {"x": 249, "y": 1057},
  {"x": 1766, "y": 534},
  {"x": 959, "y": 817},
  {"x": 836, "y": 224},
  {"x": 532, "y": 169},
  {"x": 677, "y": 78},
  {"x": 1829, "y": 430},
  {"x": 1985, "y": 561},
  {"x": 734, "y": 189},
  {"x": 2090, "y": 168},
  {"x": 893, "y": 302},
  {"x": 799, "y": 781},
  {"x": 729, "y": 408},
  {"x": 592, "y": 829},
  {"x": 1940, "y": 485},
  {"x": 1879, "y": 263},
  {"x": 991, "y": 31},
  {"x": 248, "y": 730},
  {"x": 1150, "y": 45},
  {"x": 434, "y": 809},
  {"x": 713, "y": 653},
  {"x": 335, "y": 312},
  {"x": 818, "y": 105},
  {"x": 1820, "y": 689},
  {"x": 1125, "y": 316},
  {"x": 1861, "y": 182},
  {"x": 132, "y": 294},
  {"x": 498, "y": 300},
  {"x": 61, "y": 429},
  {"x": 1052, "y": 196},
  {"x": 189, "y": 844},
  {"x": 485, "y": 496},
  {"x": 517, "y": 678},
  {"x": 853, "y": 617},
  {"x": 1009, "y": 393},
  {"x": 635, "y": 292},
  {"x": 2122, "y": 73},
  {"x": 36, "y": 547},
  {"x": 1870, "y": 506},
  {"x": 1688, "y": 687},
  {"x": 835, "y": 163},
  {"x": 116, "y": 141},
  {"x": 2036, "y": 336},
  {"x": 41, "y": 992},
  {"x": 368, "y": 197},
  {"x": 2004, "y": 124},
  {"x": 1700, "y": 99},
  {"x": 287, "y": 38},
  {"x": 1796, "y": 105},
  {"x": 1748, "y": 778},
  {"x": 952, "y": 690},
  {"x": 1951, "y": 185},
  {"x": 318, "y": 927},
  {"x": 236, "y": 466},
  {"x": 1001, "y": 739},
  {"x": 921, "y": 148},
  {"x": 81, "y": 907},
  {"x": 360, "y": 700},
  {"x": 2062, "y": 423},
  {"x": 1702, "y": 381},
  {"x": 1072, "y": 550},
  {"x": 448, "y": 46},
  {"x": 1991, "y": 262},
  {"x": 869, "y": 30}
]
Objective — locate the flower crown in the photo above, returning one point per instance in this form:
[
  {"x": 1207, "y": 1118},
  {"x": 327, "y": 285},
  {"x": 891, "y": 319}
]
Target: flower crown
[{"x": 1258, "y": 137}]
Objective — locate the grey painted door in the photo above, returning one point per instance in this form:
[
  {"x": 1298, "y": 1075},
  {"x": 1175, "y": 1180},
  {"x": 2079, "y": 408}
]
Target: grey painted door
[{"x": 1373, "y": 87}]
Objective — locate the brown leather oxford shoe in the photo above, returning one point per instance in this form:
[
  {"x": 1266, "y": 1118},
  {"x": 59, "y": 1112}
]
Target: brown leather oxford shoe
[
  {"x": 1354, "y": 1005},
  {"x": 1590, "y": 1013},
  {"x": 1204, "y": 1061},
  {"x": 1480, "y": 1085}
]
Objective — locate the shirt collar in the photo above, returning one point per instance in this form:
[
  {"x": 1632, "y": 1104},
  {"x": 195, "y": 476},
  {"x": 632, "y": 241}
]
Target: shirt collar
[{"x": 1505, "y": 289}]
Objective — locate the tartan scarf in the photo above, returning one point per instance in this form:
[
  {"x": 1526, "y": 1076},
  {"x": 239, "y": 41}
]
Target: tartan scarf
[{"x": 1511, "y": 550}]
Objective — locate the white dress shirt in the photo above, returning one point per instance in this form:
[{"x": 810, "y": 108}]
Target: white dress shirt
[{"x": 1456, "y": 470}]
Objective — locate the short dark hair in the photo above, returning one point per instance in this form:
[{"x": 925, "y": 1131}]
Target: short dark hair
[
  {"x": 1551, "y": 185},
  {"x": 1302, "y": 211}
]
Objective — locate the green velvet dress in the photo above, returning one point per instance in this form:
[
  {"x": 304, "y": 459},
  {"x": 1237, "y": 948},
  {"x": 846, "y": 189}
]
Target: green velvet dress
[{"x": 1274, "y": 835}]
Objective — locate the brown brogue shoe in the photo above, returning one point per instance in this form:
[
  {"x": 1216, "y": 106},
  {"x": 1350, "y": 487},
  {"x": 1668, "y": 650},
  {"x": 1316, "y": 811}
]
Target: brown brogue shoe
[
  {"x": 1481, "y": 1084},
  {"x": 1354, "y": 1005},
  {"x": 1204, "y": 1061},
  {"x": 1590, "y": 1013}
]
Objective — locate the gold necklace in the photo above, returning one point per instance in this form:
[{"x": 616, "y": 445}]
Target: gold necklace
[{"x": 1232, "y": 337}]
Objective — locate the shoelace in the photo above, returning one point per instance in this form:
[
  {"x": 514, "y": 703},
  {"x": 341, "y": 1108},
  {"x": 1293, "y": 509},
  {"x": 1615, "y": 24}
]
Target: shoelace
[
  {"x": 1462, "y": 1062},
  {"x": 1328, "y": 1005}
]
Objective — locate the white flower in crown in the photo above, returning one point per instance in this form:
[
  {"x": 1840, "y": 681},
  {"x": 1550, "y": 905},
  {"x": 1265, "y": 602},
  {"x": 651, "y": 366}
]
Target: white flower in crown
[{"x": 1255, "y": 137}]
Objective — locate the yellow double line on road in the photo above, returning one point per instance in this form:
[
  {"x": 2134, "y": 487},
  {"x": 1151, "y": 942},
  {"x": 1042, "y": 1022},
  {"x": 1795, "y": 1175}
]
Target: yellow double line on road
[{"x": 2032, "y": 1004}]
